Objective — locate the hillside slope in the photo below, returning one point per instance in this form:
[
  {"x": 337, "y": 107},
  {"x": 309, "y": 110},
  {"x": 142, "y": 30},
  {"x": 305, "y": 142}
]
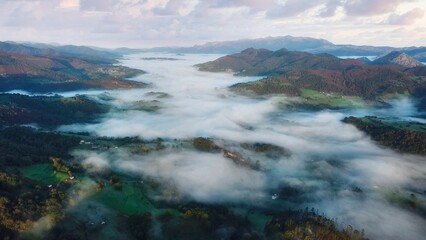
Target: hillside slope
[
  {"x": 18, "y": 109},
  {"x": 398, "y": 58},
  {"x": 47, "y": 72},
  {"x": 289, "y": 72},
  {"x": 406, "y": 137},
  {"x": 260, "y": 62}
]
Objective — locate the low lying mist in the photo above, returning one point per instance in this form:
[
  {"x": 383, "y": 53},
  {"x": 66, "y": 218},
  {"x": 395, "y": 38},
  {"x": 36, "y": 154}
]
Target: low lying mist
[{"x": 330, "y": 166}]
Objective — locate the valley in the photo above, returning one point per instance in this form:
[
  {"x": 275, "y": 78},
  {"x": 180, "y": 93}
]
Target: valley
[
  {"x": 212, "y": 120},
  {"x": 189, "y": 150}
]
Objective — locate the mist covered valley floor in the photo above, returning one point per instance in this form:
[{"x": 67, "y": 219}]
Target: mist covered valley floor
[{"x": 187, "y": 159}]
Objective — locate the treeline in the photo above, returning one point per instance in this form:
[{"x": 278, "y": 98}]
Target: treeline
[
  {"x": 200, "y": 221},
  {"x": 35, "y": 72},
  {"x": 368, "y": 82},
  {"x": 307, "y": 224},
  {"x": 287, "y": 72},
  {"x": 47, "y": 111},
  {"x": 406, "y": 140},
  {"x": 20, "y": 146},
  {"x": 23, "y": 202}
]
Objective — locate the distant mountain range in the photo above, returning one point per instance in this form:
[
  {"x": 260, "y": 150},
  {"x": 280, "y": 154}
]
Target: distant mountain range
[
  {"x": 306, "y": 44},
  {"x": 290, "y": 72},
  {"x": 48, "y": 67}
]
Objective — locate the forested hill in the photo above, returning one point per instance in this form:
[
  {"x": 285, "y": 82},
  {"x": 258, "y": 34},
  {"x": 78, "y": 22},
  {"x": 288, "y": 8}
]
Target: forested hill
[
  {"x": 289, "y": 72},
  {"x": 45, "y": 111},
  {"x": 45, "y": 50},
  {"x": 47, "y": 70},
  {"x": 406, "y": 137},
  {"x": 263, "y": 62}
]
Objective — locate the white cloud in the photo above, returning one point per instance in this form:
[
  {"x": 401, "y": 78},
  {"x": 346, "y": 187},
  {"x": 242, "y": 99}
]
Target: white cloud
[
  {"x": 97, "y": 5},
  {"x": 323, "y": 166},
  {"x": 407, "y": 18},
  {"x": 144, "y": 23},
  {"x": 69, "y": 4},
  {"x": 371, "y": 7},
  {"x": 176, "y": 7},
  {"x": 292, "y": 8}
]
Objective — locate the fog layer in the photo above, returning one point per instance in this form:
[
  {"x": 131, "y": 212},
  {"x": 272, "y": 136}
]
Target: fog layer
[{"x": 332, "y": 166}]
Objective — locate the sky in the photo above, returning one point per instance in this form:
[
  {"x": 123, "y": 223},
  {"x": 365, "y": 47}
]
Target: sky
[{"x": 152, "y": 23}]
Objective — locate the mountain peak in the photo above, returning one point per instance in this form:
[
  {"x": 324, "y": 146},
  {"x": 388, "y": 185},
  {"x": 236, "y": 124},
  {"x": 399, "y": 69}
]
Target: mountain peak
[
  {"x": 255, "y": 51},
  {"x": 398, "y": 58}
]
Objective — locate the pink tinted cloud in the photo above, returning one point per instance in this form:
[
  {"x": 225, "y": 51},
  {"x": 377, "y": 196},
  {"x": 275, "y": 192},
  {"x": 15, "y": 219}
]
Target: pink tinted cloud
[
  {"x": 371, "y": 7},
  {"x": 408, "y": 18}
]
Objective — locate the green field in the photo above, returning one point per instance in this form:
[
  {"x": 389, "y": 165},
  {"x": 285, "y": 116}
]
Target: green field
[
  {"x": 44, "y": 173},
  {"x": 395, "y": 95},
  {"x": 333, "y": 100},
  {"x": 398, "y": 124},
  {"x": 131, "y": 199}
]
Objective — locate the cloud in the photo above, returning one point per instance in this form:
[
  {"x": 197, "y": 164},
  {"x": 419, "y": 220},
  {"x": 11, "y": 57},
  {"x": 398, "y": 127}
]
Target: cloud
[
  {"x": 176, "y": 7},
  {"x": 144, "y": 23},
  {"x": 330, "y": 8},
  {"x": 253, "y": 5},
  {"x": 69, "y": 4},
  {"x": 200, "y": 176},
  {"x": 408, "y": 18},
  {"x": 332, "y": 165},
  {"x": 292, "y": 8},
  {"x": 93, "y": 162},
  {"x": 97, "y": 5},
  {"x": 354, "y": 8},
  {"x": 371, "y": 7}
]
